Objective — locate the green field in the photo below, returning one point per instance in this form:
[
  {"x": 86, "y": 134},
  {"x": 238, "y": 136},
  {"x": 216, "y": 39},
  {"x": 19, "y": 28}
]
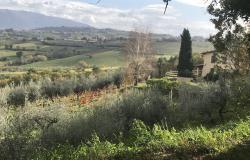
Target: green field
[
  {"x": 28, "y": 45},
  {"x": 102, "y": 59},
  {"x": 7, "y": 53},
  {"x": 172, "y": 48},
  {"x": 93, "y": 55}
]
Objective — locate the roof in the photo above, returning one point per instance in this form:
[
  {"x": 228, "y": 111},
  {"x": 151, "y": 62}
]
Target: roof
[{"x": 208, "y": 52}]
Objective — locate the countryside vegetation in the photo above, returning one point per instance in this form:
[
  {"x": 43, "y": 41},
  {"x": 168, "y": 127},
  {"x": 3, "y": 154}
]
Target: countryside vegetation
[{"x": 100, "y": 94}]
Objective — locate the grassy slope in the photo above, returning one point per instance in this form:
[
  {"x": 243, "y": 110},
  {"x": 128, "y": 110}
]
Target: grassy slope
[
  {"x": 110, "y": 58},
  {"x": 172, "y": 48}
]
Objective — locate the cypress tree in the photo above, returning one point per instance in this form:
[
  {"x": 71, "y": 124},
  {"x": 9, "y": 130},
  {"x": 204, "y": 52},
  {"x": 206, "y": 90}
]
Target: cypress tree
[{"x": 185, "y": 65}]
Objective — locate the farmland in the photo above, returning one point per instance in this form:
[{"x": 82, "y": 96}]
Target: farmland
[
  {"x": 85, "y": 98},
  {"x": 108, "y": 55},
  {"x": 102, "y": 59}
]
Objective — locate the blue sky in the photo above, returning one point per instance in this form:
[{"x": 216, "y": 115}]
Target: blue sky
[{"x": 125, "y": 14}]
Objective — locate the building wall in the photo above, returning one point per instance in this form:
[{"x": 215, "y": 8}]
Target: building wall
[
  {"x": 207, "y": 64},
  {"x": 248, "y": 28}
]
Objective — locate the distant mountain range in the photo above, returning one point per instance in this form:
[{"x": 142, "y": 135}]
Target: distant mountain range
[
  {"x": 29, "y": 20},
  {"x": 23, "y": 20}
]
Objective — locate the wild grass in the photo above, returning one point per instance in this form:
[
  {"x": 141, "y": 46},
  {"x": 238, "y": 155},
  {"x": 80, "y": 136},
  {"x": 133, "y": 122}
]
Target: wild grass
[
  {"x": 157, "y": 143},
  {"x": 135, "y": 124}
]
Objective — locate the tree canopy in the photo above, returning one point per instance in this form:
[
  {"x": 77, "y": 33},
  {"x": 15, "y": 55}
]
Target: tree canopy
[
  {"x": 185, "y": 65},
  {"x": 228, "y": 15}
]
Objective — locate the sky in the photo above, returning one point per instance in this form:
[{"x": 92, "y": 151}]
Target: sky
[{"x": 125, "y": 14}]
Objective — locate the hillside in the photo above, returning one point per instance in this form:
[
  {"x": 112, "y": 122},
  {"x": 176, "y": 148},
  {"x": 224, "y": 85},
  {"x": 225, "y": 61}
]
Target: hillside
[{"x": 30, "y": 20}]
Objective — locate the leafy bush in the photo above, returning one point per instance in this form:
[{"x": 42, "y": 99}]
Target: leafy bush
[
  {"x": 156, "y": 143},
  {"x": 84, "y": 84},
  {"x": 118, "y": 79},
  {"x": 22, "y": 130},
  {"x": 3, "y": 83},
  {"x": 96, "y": 69},
  {"x": 33, "y": 92},
  {"x": 17, "y": 97},
  {"x": 111, "y": 116},
  {"x": 213, "y": 75},
  {"x": 39, "y": 58},
  {"x": 163, "y": 85},
  {"x": 200, "y": 102},
  {"x": 52, "y": 89},
  {"x": 103, "y": 80},
  {"x": 239, "y": 99},
  {"x": 4, "y": 93}
]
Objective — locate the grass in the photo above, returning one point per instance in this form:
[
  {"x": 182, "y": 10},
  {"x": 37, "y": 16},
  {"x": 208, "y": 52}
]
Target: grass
[
  {"x": 172, "y": 48},
  {"x": 28, "y": 45},
  {"x": 12, "y": 73},
  {"x": 7, "y": 53},
  {"x": 100, "y": 57},
  {"x": 103, "y": 59},
  {"x": 158, "y": 143}
]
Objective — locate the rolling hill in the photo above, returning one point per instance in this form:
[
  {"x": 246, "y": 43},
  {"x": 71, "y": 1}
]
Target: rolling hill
[{"x": 29, "y": 20}]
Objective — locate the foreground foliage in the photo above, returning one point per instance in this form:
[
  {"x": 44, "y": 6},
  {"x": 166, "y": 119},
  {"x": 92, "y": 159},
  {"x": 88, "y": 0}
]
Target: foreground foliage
[
  {"x": 143, "y": 143},
  {"x": 165, "y": 120}
]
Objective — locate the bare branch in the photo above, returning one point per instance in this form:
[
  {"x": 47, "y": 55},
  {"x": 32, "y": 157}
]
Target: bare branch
[{"x": 166, "y": 1}]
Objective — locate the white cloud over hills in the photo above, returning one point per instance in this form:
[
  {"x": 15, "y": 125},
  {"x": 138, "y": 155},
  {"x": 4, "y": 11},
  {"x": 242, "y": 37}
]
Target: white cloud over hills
[{"x": 150, "y": 16}]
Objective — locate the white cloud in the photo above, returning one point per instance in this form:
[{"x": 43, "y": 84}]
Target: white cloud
[
  {"x": 150, "y": 16},
  {"x": 197, "y": 3}
]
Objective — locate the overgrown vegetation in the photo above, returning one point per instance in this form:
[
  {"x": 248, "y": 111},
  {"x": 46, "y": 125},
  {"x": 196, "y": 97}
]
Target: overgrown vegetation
[
  {"x": 52, "y": 88},
  {"x": 166, "y": 120},
  {"x": 132, "y": 113}
]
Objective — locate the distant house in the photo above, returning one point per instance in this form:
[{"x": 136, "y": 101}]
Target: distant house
[
  {"x": 248, "y": 28},
  {"x": 209, "y": 59}
]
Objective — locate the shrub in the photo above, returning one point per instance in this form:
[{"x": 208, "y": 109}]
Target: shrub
[
  {"x": 199, "y": 102},
  {"x": 51, "y": 89},
  {"x": 213, "y": 75},
  {"x": 83, "y": 84},
  {"x": 3, "y": 58},
  {"x": 239, "y": 99},
  {"x": 3, "y": 83},
  {"x": 17, "y": 97},
  {"x": 103, "y": 80},
  {"x": 33, "y": 92},
  {"x": 83, "y": 64},
  {"x": 4, "y": 93},
  {"x": 19, "y": 54},
  {"x": 96, "y": 69},
  {"x": 118, "y": 78},
  {"x": 158, "y": 143},
  {"x": 150, "y": 106},
  {"x": 112, "y": 116},
  {"x": 16, "y": 80},
  {"x": 39, "y": 58},
  {"x": 23, "y": 127},
  {"x": 163, "y": 85}
]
